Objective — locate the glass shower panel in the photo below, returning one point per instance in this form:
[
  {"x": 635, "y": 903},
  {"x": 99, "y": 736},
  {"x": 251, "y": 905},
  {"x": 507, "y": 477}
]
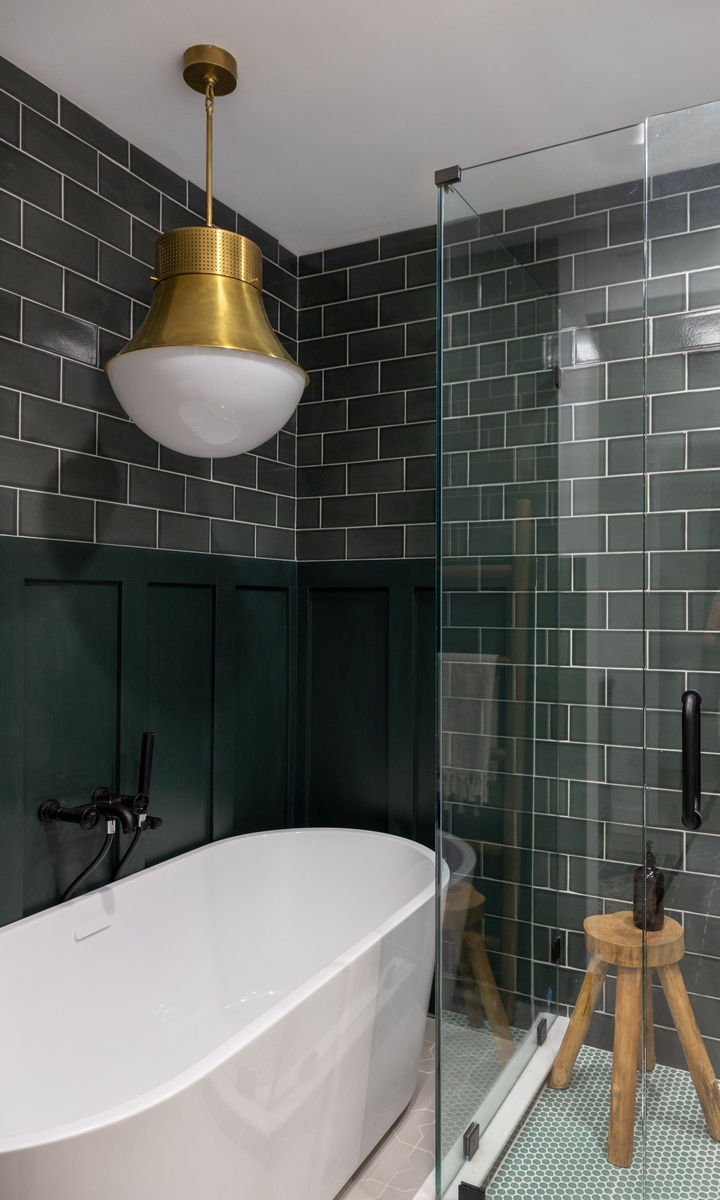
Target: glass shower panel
[
  {"x": 498, "y": 980},
  {"x": 682, "y": 616},
  {"x": 542, "y": 576}
]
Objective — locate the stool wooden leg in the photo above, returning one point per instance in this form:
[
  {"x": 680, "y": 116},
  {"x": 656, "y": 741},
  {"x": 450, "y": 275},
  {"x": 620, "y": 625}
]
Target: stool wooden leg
[
  {"x": 650, "y": 1030},
  {"x": 490, "y": 995},
  {"x": 699, "y": 1065},
  {"x": 576, "y": 1031},
  {"x": 471, "y": 994},
  {"x": 628, "y": 1013}
]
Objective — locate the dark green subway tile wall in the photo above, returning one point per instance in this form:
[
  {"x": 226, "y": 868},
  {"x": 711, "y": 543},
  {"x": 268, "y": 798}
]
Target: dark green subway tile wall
[{"x": 552, "y": 497}]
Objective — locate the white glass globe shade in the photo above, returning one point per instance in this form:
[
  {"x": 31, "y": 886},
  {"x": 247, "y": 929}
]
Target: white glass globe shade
[{"x": 206, "y": 401}]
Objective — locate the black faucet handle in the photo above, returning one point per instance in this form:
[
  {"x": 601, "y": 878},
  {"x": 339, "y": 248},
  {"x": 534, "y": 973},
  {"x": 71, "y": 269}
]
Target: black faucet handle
[
  {"x": 138, "y": 804},
  {"x": 146, "y": 758},
  {"x": 84, "y": 815}
]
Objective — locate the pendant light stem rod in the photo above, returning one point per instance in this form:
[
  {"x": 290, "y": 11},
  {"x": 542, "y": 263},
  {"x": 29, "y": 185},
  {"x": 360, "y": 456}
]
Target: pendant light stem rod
[{"x": 209, "y": 106}]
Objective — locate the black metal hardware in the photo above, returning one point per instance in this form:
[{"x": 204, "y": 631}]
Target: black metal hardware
[
  {"x": 84, "y": 815},
  {"x": 468, "y": 1191},
  {"x": 542, "y": 1031},
  {"x": 102, "y": 854},
  {"x": 691, "y": 785},
  {"x": 119, "y": 808},
  {"x": 129, "y": 811},
  {"x": 557, "y": 377},
  {"x": 471, "y": 1140},
  {"x": 448, "y": 175},
  {"x": 140, "y": 802},
  {"x": 556, "y": 950}
]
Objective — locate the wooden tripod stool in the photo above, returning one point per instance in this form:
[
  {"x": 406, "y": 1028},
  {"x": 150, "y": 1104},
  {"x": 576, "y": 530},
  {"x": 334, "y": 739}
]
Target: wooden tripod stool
[
  {"x": 464, "y": 910},
  {"x": 614, "y": 939}
]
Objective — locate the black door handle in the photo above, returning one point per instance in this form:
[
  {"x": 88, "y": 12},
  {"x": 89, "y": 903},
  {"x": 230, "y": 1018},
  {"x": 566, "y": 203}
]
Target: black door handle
[{"x": 691, "y": 786}]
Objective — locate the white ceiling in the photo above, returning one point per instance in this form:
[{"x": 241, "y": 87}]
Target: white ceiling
[{"x": 345, "y": 108}]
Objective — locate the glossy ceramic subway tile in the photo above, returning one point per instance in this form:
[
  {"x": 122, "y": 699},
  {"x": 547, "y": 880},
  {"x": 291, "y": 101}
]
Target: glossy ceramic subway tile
[
  {"x": 351, "y": 256},
  {"x": 55, "y": 516},
  {"x": 92, "y": 131},
  {"x": 31, "y": 276},
  {"x": 56, "y": 424},
  {"x": 30, "y": 180},
  {"x": 47, "y": 141},
  {"x": 54, "y": 239},
  {"x": 129, "y": 192}
]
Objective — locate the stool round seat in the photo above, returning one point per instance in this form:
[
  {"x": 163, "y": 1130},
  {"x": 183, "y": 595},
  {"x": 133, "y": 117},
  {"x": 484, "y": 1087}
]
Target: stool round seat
[
  {"x": 617, "y": 939},
  {"x": 463, "y": 900}
]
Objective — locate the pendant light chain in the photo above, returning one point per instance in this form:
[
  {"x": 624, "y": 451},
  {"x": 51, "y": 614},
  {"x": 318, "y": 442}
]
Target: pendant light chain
[{"x": 209, "y": 106}]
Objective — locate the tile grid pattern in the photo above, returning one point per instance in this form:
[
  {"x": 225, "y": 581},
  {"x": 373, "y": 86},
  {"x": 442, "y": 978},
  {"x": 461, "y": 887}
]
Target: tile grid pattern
[
  {"x": 561, "y": 467},
  {"x": 79, "y": 215},
  {"x": 471, "y": 1066},
  {"x": 366, "y": 425},
  {"x": 562, "y": 1148},
  {"x": 404, "y": 1158}
]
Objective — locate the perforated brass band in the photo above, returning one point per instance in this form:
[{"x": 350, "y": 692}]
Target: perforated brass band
[{"x": 202, "y": 251}]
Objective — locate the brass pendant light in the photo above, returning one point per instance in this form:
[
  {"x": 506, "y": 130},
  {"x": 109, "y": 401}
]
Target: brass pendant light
[{"x": 205, "y": 374}]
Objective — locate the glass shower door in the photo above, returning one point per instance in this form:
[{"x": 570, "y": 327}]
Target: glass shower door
[
  {"x": 682, "y": 619},
  {"x": 542, "y": 651},
  {"x": 498, "y": 982},
  {"x": 580, "y": 577}
]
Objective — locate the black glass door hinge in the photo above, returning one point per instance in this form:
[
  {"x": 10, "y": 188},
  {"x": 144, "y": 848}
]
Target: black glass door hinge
[
  {"x": 448, "y": 175},
  {"x": 542, "y": 1031},
  {"x": 468, "y": 1191},
  {"x": 556, "y": 950},
  {"x": 471, "y": 1140}
]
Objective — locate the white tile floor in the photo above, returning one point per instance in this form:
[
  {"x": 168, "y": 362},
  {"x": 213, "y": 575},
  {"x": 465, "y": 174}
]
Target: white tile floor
[{"x": 406, "y": 1155}]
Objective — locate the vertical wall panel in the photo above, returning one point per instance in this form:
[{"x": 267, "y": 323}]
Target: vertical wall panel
[
  {"x": 11, "y": 746},
  {"x": 133, "y": 704},
  {"x": 425, "y": 720},
  {"x": 180, "y": 713},
  {"x": 98, "y": 644},
  {"x": 400, "y": 712},
  {"x": 348, "y": 700},
  {"x": 70, "y": 717},
  {"x": 261, "y": 744}
]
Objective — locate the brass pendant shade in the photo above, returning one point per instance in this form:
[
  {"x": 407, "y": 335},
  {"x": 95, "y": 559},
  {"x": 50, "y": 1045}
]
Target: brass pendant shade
[
  {"x": 205, "y": 374},
  {"x": 208, "y": 293}
]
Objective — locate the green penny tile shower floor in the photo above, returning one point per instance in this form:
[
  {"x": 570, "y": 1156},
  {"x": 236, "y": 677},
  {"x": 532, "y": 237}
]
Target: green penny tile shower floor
[
  {"x": 470, "y": 1067},
  {"x": 561, "y": 1150}
]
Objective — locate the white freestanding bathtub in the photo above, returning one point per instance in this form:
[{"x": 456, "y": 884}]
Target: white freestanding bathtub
[{"x": 240, "y": 1023}]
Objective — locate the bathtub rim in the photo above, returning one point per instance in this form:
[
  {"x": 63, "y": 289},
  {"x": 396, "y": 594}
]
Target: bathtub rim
[{"x": 210, "y": 1062}]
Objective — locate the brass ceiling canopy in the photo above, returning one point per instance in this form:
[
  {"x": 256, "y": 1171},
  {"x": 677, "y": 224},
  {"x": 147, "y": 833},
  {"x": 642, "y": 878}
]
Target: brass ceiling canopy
[
  {"x": 208, "y": 295},
  {"x": 199, "y": 62}
]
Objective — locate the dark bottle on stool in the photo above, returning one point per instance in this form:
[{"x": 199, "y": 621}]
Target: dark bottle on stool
[{"x": 654, "y": 894}]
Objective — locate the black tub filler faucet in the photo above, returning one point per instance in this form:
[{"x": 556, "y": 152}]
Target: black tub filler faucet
[{"x": 130, "y": 812}]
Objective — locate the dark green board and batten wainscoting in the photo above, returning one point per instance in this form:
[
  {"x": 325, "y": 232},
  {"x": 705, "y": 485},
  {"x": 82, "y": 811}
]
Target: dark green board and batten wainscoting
[{"x": 280, "y": 694}]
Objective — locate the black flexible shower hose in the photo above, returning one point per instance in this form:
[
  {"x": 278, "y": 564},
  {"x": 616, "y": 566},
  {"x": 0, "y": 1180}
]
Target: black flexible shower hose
[
  {"x": 128, "y": 853},
  {"x": 89, "y": 869}
]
